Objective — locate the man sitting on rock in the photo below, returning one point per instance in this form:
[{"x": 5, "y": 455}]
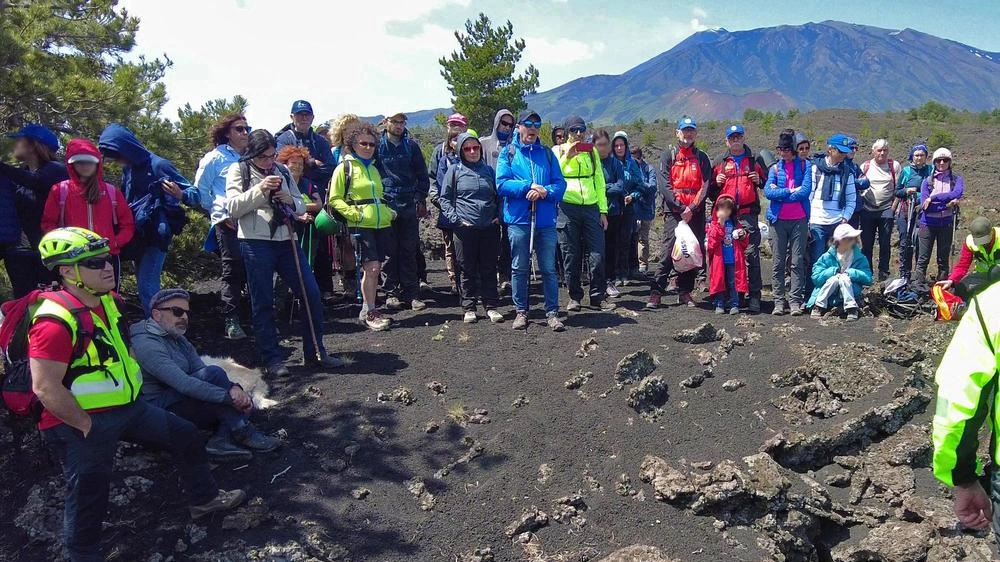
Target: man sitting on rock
[
  {"x": 176, "y": 379},
  {"x": 978, "y": 266}
]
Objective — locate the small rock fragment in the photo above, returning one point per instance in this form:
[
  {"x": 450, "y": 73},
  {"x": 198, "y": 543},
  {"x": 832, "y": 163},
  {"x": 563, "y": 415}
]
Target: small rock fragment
[
  {"x": 530, "y": 521},
  {"x": 587, "y": 347},
  {"x": 545, "y": 473},
  {"x": 360, "y": 493},
  {"x": 521, "y": 400},
  {"x": 431, "y": 427},
  {"x": 437, "y": 387},
  {"x": 694, "y": 381},
  {"x": 578, "y": 380},
  {"x": 706, "y": 333},
  {"x": 402, "y": 395},
  {"x": 419, "y": 489},
  {"x": 648, "y": 397},
  {"x": 635, "y": 367},
  {"x": 732, "y": 385}
]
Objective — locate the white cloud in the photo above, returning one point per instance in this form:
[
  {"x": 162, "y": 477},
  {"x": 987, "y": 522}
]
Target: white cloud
[
  {"x": 696, "y": 25},
  {"x": 699, "y": 13},
  {"x": 559, "y": 51}
]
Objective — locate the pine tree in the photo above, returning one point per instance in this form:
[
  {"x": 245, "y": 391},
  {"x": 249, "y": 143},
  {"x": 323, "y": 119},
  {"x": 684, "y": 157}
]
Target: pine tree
[{"x": 480, "y": 74}]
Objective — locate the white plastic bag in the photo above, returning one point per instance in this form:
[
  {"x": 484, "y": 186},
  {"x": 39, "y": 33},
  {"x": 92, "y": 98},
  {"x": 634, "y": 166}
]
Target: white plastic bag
[{"x": 687, "y": 253}]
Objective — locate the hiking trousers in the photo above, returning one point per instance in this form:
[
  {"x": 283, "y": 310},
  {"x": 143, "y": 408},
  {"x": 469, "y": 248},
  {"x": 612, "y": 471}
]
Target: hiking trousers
[
  {"x": 87, "y": 463},
  {"x": 685, "y": 281},
  {"x": 927, "y": 238}
]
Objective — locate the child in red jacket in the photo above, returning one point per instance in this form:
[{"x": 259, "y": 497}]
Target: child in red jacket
[
  {"x": 87, "y": 201},
  {"x": 727, "y": 268}
]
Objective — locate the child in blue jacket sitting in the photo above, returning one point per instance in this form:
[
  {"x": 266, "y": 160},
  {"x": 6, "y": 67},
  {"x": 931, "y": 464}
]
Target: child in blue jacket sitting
[{"x": 840, "y": 274}]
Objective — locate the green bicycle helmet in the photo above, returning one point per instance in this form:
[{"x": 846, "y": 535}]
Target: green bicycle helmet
[{"x": 70, "y": 246}]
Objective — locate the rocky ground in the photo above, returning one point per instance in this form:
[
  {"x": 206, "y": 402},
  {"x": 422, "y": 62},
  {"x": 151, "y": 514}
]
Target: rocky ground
[{"x": 679, "y": 434}]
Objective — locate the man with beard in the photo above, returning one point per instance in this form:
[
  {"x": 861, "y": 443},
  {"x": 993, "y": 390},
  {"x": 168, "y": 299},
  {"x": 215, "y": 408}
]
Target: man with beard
[{"x": 177, "y": 380}]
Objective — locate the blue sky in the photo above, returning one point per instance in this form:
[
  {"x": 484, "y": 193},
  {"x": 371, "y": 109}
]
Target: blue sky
[{"x": 378, "y": 56}]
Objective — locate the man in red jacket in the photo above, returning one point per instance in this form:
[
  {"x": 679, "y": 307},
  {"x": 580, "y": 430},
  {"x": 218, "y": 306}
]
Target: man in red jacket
[{"x": 739, "y": 175}]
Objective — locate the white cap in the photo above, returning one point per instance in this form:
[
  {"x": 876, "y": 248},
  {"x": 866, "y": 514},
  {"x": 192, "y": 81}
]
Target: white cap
[
  {"x": 83, "y": 158},
  {"x": 941, "y": 153},
  {"x": 845, "y": 231}
]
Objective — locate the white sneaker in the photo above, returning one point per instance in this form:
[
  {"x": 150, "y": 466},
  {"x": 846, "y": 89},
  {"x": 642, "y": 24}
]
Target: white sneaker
[
  {"x": 470, "y": 317},
  {"x": 613, "y": 291},
  {"x": 495, "y": 316}
]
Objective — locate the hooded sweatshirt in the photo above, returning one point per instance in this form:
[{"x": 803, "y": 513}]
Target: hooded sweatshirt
[
  {"x": 633, "y": 183},
  {"x": 833, "y": 197},
  {"x": 145, "y": 170},
  {"x": 404, "y": 173},
  {"x": 112, "y": 221},
  {"x": 469, "y": 193},
  {"x": 493, "y": 144},
  {"x": 530, "y": 162}
]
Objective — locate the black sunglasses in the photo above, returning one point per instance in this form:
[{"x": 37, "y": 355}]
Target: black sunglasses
[
  {"x": 507, "y": 123},
  {"x": 531, "y": 124},
  {"x": 577, "y": 130},
  {"x": 176, "y": 310},
  {"x": 96, "y": 263},
  {"x": 242, "y": 129}
]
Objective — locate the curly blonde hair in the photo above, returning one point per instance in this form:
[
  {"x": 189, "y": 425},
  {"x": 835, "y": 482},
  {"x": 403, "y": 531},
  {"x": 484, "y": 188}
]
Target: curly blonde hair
[{"x": 338, "y": 126}]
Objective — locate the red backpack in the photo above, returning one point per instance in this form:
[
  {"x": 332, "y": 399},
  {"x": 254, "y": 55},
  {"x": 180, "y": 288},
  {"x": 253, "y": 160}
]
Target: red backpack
[{"x": 15, "y": 321}]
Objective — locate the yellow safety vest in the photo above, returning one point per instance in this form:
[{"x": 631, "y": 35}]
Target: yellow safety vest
[
  {"x": 985, "y": 258},
  {"x": 104, "y": 374}
]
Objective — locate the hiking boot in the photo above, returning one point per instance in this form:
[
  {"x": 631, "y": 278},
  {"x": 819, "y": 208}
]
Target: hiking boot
[
  {"x": 324, "y": 361},
  {"x": 817, "y": 312},
  {"x": 470, "y": 317},
  {"x": 233, "y": 330},
  {"x": 685, "y": 299},
  {"x": 754, "y": 306},
  {"x": 222, "y": 448},
  {"x": 883, "y": 276},
  {"x": 393, "y": 303},
  {"x": 494, "y": 316},
  {"x": 779, "y": 308},
  {"x": 553, "y": 321},
  {"x": 853, "y": 314},
  {"x": 612, "y": 291},
  {"x": 376, "y": 322},
  {"x": 249, "y": 437},
  {"x": 606, "y": 306},
  {"x": 521, "y": 322},
  {"x": 797, "y": 309},
  {"x": 654, "y": 301},
  {"x": 573, "y": 306},
  {"x": 425, "y": 286},
  {"x": 417, "y": 304},
  {"x": 276, "y": 369},
  {"x": 222, "y": 502},
  {"x": 719, "y": 310}
]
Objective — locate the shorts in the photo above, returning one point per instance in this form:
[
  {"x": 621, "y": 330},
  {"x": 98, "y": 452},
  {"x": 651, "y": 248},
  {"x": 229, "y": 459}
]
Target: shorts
[{"x": 374, "y": 243}]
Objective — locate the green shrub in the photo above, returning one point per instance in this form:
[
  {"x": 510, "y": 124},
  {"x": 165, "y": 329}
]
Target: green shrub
[{"x": 941, "y": 137}]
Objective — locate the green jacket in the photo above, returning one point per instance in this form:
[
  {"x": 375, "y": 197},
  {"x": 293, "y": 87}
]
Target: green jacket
[
  {"x": 584, "y": 178},
  {"x": 967, "y": 392},
  {"x": 364, "y": 206}
]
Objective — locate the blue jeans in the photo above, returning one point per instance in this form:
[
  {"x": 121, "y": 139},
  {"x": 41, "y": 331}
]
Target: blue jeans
[
  {"x": 545, "y": 251},
  {"x": 87, "y": 463},
  {"x": 147, "y": 272},
  {"x": 207, "y": 415},
  {"x": 264, "y": 258},
  {"x": 821, "y": 234},
  {"x": 734, "y": 297}
]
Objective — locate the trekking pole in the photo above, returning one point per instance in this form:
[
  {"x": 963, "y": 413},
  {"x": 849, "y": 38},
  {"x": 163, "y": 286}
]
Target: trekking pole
[
  {"x": 357, "y": 266},
  {"x": 954, "y": 232},
  {"x": 302, "y": 285},
  {"x": 531, "y": 239}
]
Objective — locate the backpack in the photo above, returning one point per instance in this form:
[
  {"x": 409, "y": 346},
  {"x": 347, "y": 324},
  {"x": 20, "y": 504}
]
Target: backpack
[
  {"x": 892, "y": 170},
  {"x": 347, "y": 194},
  {"x": 17, "y": 315},
  {"x": 64, "y": 194},
  {"x": 549, "y": 156}
]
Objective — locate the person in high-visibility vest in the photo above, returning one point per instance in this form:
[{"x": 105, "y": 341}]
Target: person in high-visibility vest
[
  {"x": 90, "y": 391},
  {"x": 978, "y": 265},
  {"x": 967, "y": 398}
]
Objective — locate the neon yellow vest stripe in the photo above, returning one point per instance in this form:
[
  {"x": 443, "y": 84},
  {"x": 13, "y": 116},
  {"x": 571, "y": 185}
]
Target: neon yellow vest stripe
[{"x": 984, "y": 259}]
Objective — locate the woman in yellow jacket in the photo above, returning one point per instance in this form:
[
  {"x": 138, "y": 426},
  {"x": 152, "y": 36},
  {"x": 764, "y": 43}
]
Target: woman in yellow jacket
[{"x": 356, "y": 194}]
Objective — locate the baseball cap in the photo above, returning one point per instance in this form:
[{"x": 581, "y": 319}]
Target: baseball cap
[
  {"x": 83, "y": 158},
  {"x": 302, "y": 106},
  {"x": 981, "y": 231},
  {"x": 528, "y": 114},
  {"x": 39, "y": 133},
  {"x": 458, "y": 118},
  {"x": 841, "y": 142},
  {"x": 686, "y": 123},
  {"x": 734, "y": 130},
  {"x": 845, "y": 231},
  {"x": 575, "y": 121}
]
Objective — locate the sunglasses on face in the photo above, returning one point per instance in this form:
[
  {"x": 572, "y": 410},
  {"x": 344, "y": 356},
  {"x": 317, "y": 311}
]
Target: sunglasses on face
[
  {"x": 242, "y": 129},
  {"x": 531, "y": 124},
  {"x": 783, "y": 149},
  {"x": 176, "y": 310},
  {"x": 471, "y": 149},
  {"x": 942, "y": 160},
  {"x": 96, "y": 263},
  {"x": 366, "y": 144},
  {"x": 577, "y": 130},
  {"x": 507, "y": 124}
]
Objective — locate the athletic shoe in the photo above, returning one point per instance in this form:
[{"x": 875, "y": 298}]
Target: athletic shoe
[
  {"x": 376, "y": 322},
  {"x": 322, "y": 362},
  {"x": 685, "y": 299},
  {"x": 573, "y": 306},
  {"x": 417, "y": 304},
  {"x": 470, "y": 317},
  {"x": 817, "y": 312},
  {"x": 494, "y": 316},
  {"x": 222, "y": 502},
  {"x": 797, "y": 309},
  {"x": 554, "y": 323},
  {"x": 233, "y": 329},
  {"x": 654, "y": 301},
  {"x": 853, "y": 314},
  {"x": 249, "y": 437},
  {"x": 521, "y": 321},
  {"x": 720, "y": 310},
  {"x": 779, "y": 308},
  {"x": 612, "y": 291},
  {"x": 393, "y": 303},
  {"x": 606, "y": 306},
  {"x": 222, "y": 448},
  {"x": 425, "y": 286},
  {"x": 734, "y": 311},
  {"x": 505, "y": 286}
]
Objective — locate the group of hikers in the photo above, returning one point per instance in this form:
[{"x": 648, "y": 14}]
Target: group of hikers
[{"x": 310, "y": 205}]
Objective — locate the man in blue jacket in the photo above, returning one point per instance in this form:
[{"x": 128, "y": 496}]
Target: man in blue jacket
[
  {"x": 531, "y": 185},
  {"x": 406, "y": 183},
  {"x": 299, "y": 132},
  {"x": 147, "y": 174}
]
